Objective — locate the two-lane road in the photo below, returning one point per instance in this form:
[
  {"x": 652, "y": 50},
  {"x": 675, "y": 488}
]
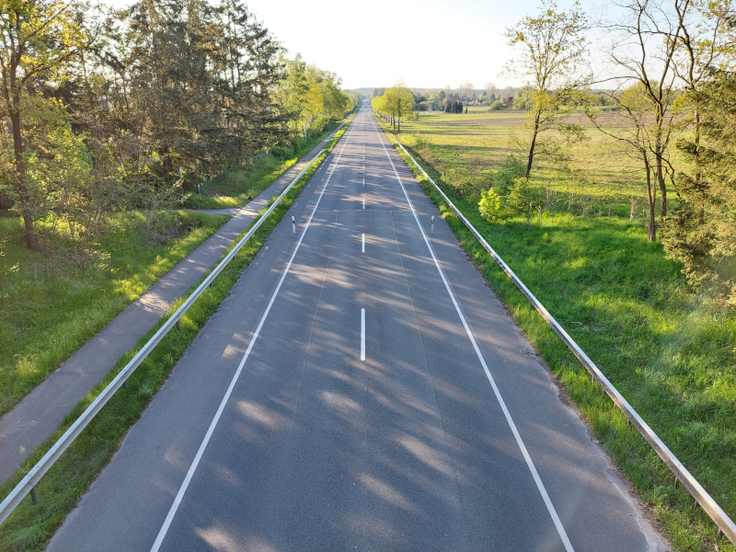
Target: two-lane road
[{"x": 360, "y": 389}]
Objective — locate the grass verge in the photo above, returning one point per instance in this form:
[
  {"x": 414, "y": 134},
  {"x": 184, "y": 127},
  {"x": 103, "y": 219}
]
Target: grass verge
[
  {"x": 30, "y": 526},
  {"x": 43, "y": 322},
  {"x": 236, "y": 187},
  {"x": 671, "y": 353}
]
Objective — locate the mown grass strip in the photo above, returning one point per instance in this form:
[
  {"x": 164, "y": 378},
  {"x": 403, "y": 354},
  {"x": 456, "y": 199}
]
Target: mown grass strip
[
  {"x": 31, "y": 525},
  {"x": 685, "y": 524}
]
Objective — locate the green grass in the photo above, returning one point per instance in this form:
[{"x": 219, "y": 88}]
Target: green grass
[
  {"x": 43, "y": 322},
  {"x": 30, "y": 526},
  {"x": 670, "y": 352}
]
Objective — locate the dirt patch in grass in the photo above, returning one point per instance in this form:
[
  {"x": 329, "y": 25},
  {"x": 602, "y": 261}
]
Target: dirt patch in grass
[{"x": 609, "y": 120}]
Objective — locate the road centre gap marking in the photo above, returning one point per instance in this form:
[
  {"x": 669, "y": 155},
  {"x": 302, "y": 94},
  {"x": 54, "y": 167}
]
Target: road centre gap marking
[
  {"x": 205, "y": 441},
  {"x": 362, "y": 334},
  {"x": 517, "y": 436}
]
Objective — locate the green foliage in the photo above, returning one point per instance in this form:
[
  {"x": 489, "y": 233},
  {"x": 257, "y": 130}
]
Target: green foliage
[
  {"x": 490, "y": 205},
  {"x": 311, "y": 97},
  {"x": 397, "y": 102},
  {"x": 507, "y": 173},
  {"x": 497, "y": 105},
  {"x": 553, "y": 46},
  {"x": 701, "y": 232},
  {"x": 524, "y": 197},
  {"x": 43, "y": 322}
]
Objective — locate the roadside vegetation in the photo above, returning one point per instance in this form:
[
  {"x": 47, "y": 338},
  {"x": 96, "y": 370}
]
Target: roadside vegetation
[
  {"x": 116, "y": 121},
  {"x": 32, "y": 525},
  {"x": 51, "y": 307},
  {"x": 580, "y": 244}
]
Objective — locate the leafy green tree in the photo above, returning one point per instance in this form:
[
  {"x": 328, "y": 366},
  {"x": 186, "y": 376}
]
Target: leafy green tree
[
  {"x": 553, "y": 46},
  {"x": 399, "y": 102},
  {"x": 701, "y": 231},
  {"x": 38, "y": 40},
  {"x": 311, "y": 96}
]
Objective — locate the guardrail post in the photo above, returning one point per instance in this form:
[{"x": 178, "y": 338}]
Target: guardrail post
[{"x": 34, "y": 495}]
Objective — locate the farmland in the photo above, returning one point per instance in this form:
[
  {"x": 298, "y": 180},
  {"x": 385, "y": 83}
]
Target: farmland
[{"x": 584, "y": 253}]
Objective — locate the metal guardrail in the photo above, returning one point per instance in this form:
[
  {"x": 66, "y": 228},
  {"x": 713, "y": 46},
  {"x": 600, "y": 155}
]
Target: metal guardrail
[
  {"x": 725, "y": 524},
  {"x": 28, "y": 483}
]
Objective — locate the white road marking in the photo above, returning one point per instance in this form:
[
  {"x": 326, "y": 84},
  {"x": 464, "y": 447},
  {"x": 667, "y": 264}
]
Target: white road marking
[
  {"x": 363, "y": 244},
  {"x": 203, "y": 446},
  {"x": 519, "y": 441},
  {"x": 362, "y": 334}
]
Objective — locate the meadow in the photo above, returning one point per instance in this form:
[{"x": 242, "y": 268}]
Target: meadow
[{"x": 585, "y": 255}]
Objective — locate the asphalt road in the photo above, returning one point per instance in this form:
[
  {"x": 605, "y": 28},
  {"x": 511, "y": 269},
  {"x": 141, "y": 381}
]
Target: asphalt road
[{"x": 360, "y": 389}]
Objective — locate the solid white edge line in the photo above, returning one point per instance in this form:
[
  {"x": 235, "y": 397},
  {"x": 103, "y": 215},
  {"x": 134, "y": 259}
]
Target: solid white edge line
[
  {"x": 520, "y": 442},
  {"x": 203, "y": 446},
  {"x": 362, "y": 334}
]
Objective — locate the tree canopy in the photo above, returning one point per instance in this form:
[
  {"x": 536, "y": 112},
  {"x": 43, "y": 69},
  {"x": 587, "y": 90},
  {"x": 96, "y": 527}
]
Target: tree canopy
[{"x": 552, "y": 47}]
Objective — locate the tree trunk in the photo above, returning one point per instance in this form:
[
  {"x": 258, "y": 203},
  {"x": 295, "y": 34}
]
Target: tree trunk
[
  {"x": 662, "y": 186},
  {"x": 652, "y": 198},
  {"x": 20, "y": 178},
  {"x": 530, "y": 159}
]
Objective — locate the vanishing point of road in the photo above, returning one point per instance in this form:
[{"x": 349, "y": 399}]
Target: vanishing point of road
[{"x": 359, "y": 389}]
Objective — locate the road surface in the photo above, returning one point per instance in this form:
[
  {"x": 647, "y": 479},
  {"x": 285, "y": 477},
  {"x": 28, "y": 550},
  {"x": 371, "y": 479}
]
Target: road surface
[{"x": 360, "y": 389}]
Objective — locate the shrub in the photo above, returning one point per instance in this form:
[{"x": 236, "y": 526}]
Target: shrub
[
  {"x": 497, "y": 105},
  {"x": 490, "y": 205},
  {"x": 282, "y": 152},
  {"x": 507, "y": 172},
  {"x": 524, "y": 197}
]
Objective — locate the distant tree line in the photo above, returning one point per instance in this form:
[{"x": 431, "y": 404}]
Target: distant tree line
[{"x": 108, "y": 109}]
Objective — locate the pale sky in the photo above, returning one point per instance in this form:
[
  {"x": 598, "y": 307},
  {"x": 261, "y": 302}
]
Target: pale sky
[{"x": 425, "y": 43}]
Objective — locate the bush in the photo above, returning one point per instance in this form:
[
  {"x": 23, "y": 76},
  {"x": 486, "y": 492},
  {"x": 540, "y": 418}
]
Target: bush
[
  {"x": 507, "y": 172},
  {"x": 524, "y": 197},
  {"x": 490, "y": 205},
  {"x": 283, "y": 152},
  {"x": 497, "y": 105}
]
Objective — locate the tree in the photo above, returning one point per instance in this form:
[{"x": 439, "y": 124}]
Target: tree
[
  {"x": 466, "y": 92},
  {"x": 398, "y": 101},
  {"x": 39, "y": 38},
  {"x": 701, "y": 232},
  {"x": 705, "y": 43},
  {"x": 644, "y": 49},
  {"x": 553, "y": 46}
]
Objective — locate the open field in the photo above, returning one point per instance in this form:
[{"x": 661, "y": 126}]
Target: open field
[
  {"x": 671, "y": 352},
  {"x": 467, "y": 147}
]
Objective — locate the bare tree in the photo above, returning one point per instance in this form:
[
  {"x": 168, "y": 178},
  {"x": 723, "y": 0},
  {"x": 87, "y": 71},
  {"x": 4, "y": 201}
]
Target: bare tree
[{"x": 643, "y": 51}]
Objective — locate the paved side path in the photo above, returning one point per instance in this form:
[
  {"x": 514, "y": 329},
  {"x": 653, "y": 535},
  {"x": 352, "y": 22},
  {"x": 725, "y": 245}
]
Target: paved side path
[{"x": 41, "y": 412}]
